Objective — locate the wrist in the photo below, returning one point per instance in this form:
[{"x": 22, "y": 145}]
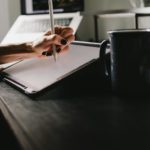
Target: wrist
[{"x": 29, "y": 47}]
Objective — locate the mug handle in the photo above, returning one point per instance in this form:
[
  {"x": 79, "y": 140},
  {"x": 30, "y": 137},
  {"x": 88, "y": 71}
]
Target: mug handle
[{"x": 105, "y": 58}]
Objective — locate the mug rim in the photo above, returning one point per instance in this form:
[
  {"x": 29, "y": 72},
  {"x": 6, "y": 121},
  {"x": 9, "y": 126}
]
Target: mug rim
[{"x": 129, "y": 31}]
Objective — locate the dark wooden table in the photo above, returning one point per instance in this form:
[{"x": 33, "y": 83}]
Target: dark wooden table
[{"x": 79, "y": 113}]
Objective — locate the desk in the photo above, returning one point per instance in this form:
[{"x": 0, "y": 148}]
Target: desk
[{"x": 64, "y": 118}]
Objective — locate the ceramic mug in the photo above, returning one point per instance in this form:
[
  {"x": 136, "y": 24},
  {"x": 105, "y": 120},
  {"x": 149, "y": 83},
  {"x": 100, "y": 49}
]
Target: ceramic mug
[{"x": 129, "y": 52}]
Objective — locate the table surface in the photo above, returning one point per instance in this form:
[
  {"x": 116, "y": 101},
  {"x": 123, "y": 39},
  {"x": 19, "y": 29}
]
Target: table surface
[{"x": 78, "y": 113}]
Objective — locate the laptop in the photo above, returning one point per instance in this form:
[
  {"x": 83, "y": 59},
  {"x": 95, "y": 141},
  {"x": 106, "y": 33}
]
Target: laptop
[
  {"x": 66, "y": 13},
  {"x": 26, "y": 24}
]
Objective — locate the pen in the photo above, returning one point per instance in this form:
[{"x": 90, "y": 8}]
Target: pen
[{"x": 50, "y": 4}]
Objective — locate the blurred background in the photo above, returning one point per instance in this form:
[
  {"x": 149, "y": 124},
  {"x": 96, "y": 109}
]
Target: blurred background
[{"x": 10, "y": 10}]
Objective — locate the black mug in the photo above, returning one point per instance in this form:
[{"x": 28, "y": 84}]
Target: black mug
[{"x": 129, "y": 53}]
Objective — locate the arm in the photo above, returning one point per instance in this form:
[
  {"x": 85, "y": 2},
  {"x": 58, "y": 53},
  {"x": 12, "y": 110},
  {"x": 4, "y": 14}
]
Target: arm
[
  {"x": 63, "y": 37},
  {"x": 15, "y": 52}
]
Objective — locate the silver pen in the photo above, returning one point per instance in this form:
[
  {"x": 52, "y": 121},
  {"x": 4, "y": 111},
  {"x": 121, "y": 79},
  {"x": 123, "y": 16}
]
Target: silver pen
[{"x": 50, "y": 4}]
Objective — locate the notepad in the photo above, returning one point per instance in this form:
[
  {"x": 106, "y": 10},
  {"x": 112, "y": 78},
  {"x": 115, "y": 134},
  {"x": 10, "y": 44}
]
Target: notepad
[{"x": 34, "y": 75}]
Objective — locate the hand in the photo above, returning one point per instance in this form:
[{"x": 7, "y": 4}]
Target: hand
[{"x": 62, "y": 38}]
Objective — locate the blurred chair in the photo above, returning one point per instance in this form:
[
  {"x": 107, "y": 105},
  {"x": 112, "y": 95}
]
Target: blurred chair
[
  {"x": 120, "y": 19},
  {"x": 111, "y": 20}
]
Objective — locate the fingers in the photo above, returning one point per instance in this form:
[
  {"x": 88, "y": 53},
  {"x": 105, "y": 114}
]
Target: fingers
[
  {"x": 69, "y": 40},
  {"x": 63, "y": 37},
  {"x": 59, "y": 50},
  {"x": 55, "y": 39},
  {"x": 66, "y": 48},
  {"x": 60, "y": 30},
  {"x": 63, "y": 43},
  {"x": 46, "y": 42},
  {"x": 66, "y": 32}
]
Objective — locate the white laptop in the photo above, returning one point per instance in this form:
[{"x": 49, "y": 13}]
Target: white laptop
[{"x": 26, "y": 24}]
